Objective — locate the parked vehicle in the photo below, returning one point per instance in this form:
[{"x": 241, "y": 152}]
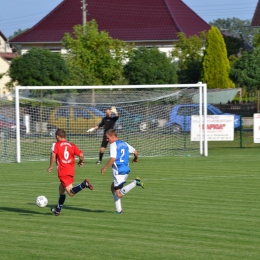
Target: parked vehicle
[
  {"x": 131, "y": 121},
  {"x": 8, "y": 128},
  {"x": 180, "y": 117},
  {"x": 96, "y": 111},
  {"x": 74, "y": 120}
]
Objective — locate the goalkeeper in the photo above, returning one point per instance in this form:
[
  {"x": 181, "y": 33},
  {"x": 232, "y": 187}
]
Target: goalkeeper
[{"x": 108, "y": 122}]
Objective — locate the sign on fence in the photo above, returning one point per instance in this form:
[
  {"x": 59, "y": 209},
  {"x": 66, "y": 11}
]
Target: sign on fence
[
  {"x": 219, "y": 128},
  {"x": 256, "y": 128}
]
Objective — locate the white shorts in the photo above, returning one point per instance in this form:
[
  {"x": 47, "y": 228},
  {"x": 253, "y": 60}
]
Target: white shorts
[{"x": 118, "y": 179}]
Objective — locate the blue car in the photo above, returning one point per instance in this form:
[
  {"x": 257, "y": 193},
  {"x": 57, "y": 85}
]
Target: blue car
[{"x": 180, "y": 117}]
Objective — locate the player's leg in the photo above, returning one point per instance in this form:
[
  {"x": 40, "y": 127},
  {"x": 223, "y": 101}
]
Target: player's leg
[
  {"x": 137, "y": 182},
  {"x": 102, "y": 149},
  {"x": 119, "y": 181},
  {"x": 69, "y": 190},
  {"x": 74, "y": 190},
  {"x": 62, "y": 191},
  {"x": 117, "y": 184},
  {"x": 67, "y": 182},
  {"x": 101, "y": 154},
  {"x": 117, "y": 200}
]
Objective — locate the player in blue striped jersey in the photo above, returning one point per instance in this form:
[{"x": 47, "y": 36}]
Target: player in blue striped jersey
[{"x": 119, "y": 160}]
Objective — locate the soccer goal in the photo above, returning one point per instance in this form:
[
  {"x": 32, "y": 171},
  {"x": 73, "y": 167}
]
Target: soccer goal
[{"x": 30, "y": 121}]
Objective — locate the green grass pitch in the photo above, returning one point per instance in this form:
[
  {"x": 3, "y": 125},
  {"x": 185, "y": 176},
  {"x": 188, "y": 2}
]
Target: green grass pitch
[{"x": 192, "y": 208}]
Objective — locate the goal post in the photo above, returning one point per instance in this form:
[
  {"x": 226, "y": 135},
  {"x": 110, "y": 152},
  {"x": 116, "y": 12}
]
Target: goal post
[{"x": 143, "y": 117}]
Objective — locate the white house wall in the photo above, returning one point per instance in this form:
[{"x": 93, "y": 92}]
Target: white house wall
[
  {"x": 4, "y": 46},
  {"x": 4, "y": 66}
]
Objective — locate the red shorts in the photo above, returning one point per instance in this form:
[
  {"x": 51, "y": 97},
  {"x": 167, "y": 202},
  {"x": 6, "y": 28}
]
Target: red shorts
[{"x": 66, "y": 180}]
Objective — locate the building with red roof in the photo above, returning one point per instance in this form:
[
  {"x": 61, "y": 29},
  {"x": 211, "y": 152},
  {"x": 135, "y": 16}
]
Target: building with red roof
[
  {"x": 256, "y": 18},
  {"x": 143, "y": 22}
]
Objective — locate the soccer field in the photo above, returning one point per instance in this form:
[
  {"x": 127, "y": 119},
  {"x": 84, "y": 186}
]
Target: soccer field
[{"x": 192, "y": 208}]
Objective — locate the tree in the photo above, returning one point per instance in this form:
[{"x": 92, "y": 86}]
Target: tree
[
  {"x": 18, "y": 47},
  {"x": 256, "y": 39},
  {"x": 38, "y": 67},
  {"x": 215, "y": 64},
  {"x": 235, "y": 25},
  {"x": 94, "y": 57},
  {"x": 188, "y": 52},
  {"x": 246, "y": 70},
  {"x": 150, "y": 66},
  {"x": 234, "y": 45},
  {"x": 19, "y": 31}
]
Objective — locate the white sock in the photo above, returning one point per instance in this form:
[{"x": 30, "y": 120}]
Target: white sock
[
  {"x": 117, "y": 203},
  {"x": 128, "y": 187}
]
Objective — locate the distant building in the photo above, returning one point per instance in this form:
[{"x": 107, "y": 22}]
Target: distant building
[
  {"x": 6, "y": 55},
  {"x": 145, "y": 23},
  {"x": 256, "y": 18},
  {"x": 247, "y": 45},
  {"x": 5, "y": 47}
]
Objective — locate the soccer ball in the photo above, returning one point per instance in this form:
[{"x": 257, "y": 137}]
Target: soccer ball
[{"x": 41, "y": 201}]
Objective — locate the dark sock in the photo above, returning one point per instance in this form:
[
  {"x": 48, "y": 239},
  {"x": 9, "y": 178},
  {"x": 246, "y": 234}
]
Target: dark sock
[
  {"x": 101, "y": 156},
  {"x": 60, "y": 202},
  {"x": 78, "y": 188}
]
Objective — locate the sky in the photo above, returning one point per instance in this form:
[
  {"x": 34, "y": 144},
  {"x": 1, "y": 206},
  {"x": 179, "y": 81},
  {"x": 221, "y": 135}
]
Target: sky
[{"x": 23, "y": 14}]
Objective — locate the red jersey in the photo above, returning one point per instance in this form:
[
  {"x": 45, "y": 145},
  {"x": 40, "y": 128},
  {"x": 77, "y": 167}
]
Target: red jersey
[{"x": 65, "y": 157}]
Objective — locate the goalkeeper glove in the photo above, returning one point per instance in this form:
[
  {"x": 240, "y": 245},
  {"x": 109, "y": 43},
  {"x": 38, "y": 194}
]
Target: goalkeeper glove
[
  {"x": 91, "y": 130},
  {"x": 113, "y": 110}
]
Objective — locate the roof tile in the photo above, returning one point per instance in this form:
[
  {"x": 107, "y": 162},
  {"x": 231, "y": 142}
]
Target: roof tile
[{"x": 135, "y": 20}]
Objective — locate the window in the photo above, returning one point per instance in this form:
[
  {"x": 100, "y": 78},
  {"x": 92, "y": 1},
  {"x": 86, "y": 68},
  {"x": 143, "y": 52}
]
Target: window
[
  {"x": 82, "y": 113},
  {"x": 63, "y": 112},
  {"x": 188, "y": 111}
]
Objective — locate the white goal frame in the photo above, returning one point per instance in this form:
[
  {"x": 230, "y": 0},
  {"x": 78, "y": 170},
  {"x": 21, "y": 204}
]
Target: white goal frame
[{"x": 202, "y": 106}]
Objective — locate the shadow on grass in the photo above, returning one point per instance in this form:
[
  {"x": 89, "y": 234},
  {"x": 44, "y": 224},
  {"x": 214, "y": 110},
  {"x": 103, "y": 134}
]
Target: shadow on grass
[
  {"x": 32, "y": 212},
  {"x": 22, "y": 211},
  {"x": 72, "y": 208},
  {"x": 83, "y": 209}
]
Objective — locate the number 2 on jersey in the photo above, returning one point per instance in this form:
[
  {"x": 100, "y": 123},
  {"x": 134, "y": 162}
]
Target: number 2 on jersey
[{"x": 122, "y": 155}]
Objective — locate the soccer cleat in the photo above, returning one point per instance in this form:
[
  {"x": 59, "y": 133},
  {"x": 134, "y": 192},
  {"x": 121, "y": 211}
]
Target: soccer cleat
[
  {"x": 121, "y": 212},
  {"x": 98, "y": 162},
  {"x": 88, "y": 184},
  {"x": 55, "y": 212},
  {"x": 139, "y": 182}
]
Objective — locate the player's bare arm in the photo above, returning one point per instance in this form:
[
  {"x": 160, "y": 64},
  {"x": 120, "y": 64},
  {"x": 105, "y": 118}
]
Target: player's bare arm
[
  {"x": 52, "y": 161},
  {"x": 135, "y": 160},
  {"x": 81, "y": 158},
  {"x": 110, "y": 163}
]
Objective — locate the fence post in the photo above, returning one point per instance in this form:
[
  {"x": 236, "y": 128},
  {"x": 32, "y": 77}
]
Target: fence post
[
  {"x": 185, "y": 133},
  {"x": 5, "y": 136},
  {"x": 241, "y": 132},
  {"x": 68, "y": 127}
]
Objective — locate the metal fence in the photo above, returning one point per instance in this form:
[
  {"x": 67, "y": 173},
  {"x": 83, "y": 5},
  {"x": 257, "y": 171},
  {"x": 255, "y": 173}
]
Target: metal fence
[{"x": 243, "y": 109}]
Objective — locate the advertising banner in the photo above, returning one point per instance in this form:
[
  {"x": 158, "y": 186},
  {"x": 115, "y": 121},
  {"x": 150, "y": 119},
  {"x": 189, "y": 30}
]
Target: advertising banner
[
  {"x": 256, "y": 128},
  {"x": 219, "y": 128}
]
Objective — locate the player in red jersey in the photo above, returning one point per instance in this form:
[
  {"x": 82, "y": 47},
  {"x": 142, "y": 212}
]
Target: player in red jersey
[{"x": 63, "y": 153}]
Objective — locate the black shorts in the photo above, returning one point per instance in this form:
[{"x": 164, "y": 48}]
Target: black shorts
[
  {"x": 104, "y": 142},
  {"x": 118, "y": 187}
]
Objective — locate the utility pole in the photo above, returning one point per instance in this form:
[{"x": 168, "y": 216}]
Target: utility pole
[
  {"x": 84, "y": 12},
  {"x": 84, "y": 20}
]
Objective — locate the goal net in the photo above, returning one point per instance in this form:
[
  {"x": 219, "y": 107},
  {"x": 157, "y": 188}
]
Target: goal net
[{"x": 30, "y": 120}]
